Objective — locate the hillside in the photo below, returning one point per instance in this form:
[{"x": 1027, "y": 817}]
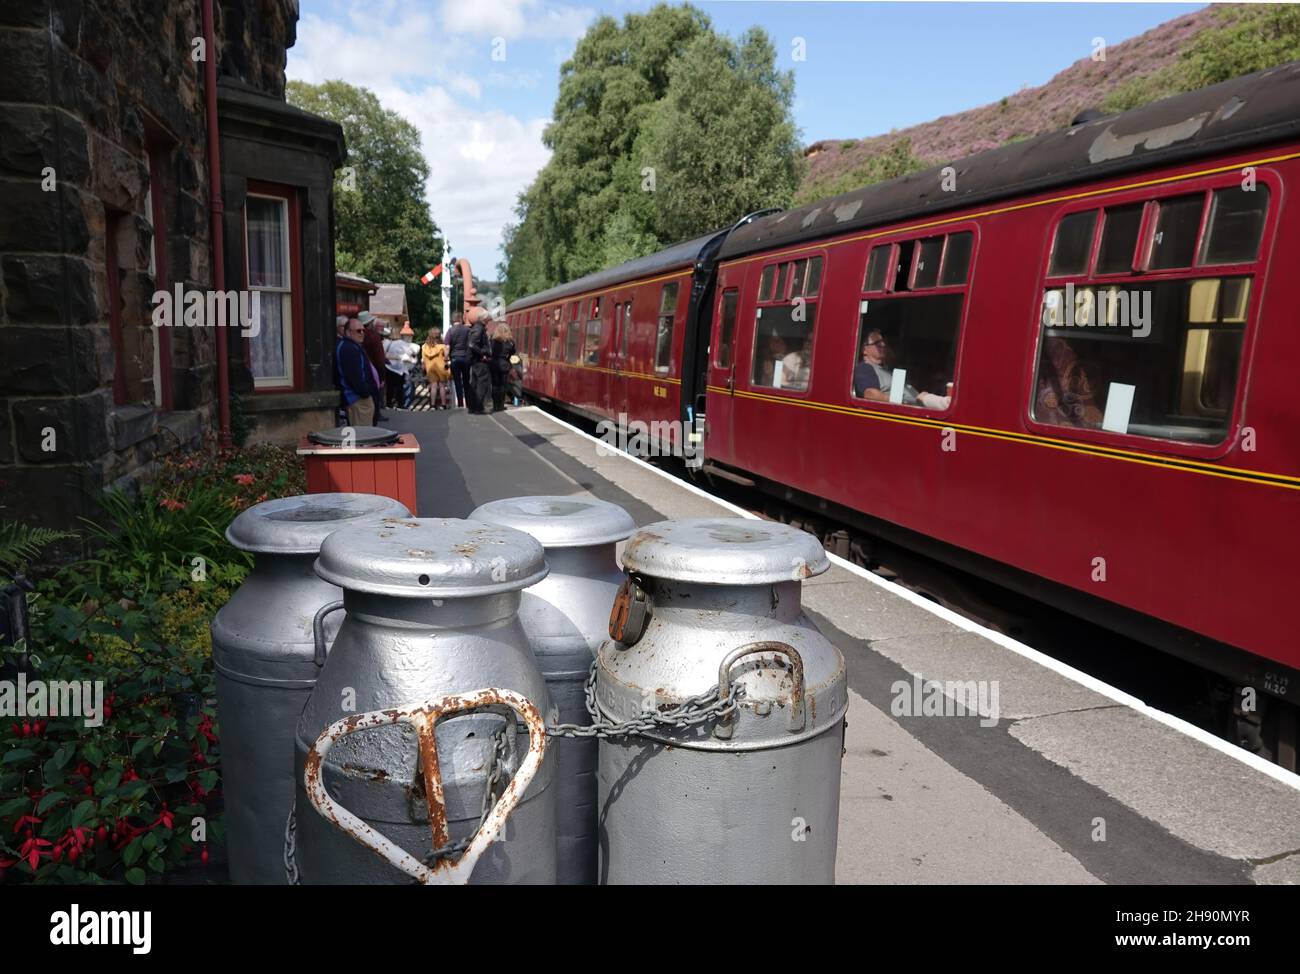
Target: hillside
[{"x": 1188, "y": 52}]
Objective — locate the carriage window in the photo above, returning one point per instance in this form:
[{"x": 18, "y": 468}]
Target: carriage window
[
  {"x": 814, "y": 282},
  {"x": 1236, "y": 225},
  {"x": 664, "y": 329},
  {"x": 797, "y": 278},
  {"x": 765, "y": 283},
  {"x": 1177, "y": 222},
  {"x": 782, "y": 279},
  {"x": 727, "y": 329},
  {"x": 907, "y": 348},
  {"x": 927, "y": 263},
  {"x": 557, "y": 333},
  {"x": 1073, "y": 244},
  {"x": 1119, "y": 237},
  {"x": 595, "y": 308},
  {"x": 783, "y": 338},
  {"x": 1159, "y": 360},
  {"x": 592, "y": 351},
  {"x": 574, "y": 341},
  {"x": 877, "y": 268},
  {"x": 902, "y": 265},
  {"x": 956, "y": 259}
]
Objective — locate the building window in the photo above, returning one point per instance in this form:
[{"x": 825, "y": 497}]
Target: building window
[
  {"x": 268, "y": 232},
  {"x": 664, "y": 330},
  {"x": 1153, "y": 348}
]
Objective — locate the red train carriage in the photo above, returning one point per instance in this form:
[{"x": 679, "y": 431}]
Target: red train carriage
[{"x": 1066, "y": 364}]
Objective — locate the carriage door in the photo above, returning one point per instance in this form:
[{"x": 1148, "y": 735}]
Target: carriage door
[
  {"x": 619, "y": 361},
  {"x": 722, "y": 378}
]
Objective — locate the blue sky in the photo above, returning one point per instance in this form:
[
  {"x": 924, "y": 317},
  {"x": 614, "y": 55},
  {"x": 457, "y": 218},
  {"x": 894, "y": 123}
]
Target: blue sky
[{"x": 478, "y": 77}]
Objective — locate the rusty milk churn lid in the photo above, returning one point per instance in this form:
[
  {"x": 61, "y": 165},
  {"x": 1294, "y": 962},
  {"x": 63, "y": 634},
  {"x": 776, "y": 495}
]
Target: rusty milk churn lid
[
  {"x": 298, "y": 525},
  {"x": 356, "y": 437},
  {"x": 431, "y": 558},
  {"x": 560, "y": 522},
  {"x": 724, "y": 551}
]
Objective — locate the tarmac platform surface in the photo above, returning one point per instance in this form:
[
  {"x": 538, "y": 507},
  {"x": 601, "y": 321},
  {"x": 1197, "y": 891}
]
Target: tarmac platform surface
[{"x": 1073, "y": 783}]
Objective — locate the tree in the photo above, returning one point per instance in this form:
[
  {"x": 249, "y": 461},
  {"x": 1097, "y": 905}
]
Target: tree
[
  {"x": 722, "y": 142},
  {"x": 595, "y": 203},
  {"x": 383, "y": 229}
]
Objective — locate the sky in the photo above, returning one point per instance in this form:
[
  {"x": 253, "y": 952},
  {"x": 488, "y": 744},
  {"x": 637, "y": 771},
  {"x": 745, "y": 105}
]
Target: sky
[{"x": 478, "y": 78}]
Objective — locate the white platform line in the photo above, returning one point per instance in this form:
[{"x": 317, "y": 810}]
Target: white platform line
[{"x": 1253, "y": 761}]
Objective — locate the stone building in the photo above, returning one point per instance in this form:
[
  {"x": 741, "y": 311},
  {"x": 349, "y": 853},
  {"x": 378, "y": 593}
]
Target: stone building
[{"x": 105, "y": 202}]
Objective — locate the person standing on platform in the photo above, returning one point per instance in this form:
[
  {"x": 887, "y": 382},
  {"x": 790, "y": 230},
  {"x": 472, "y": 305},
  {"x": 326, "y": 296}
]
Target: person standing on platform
[
  {"x": 437, "y": 368},
  {"x": 458, "y": 350},
  {"x": 374, "y": 348},
  {"x": 353, "y": 375},
  {"x": 479, "y": 387},
  {"x": 503, "y": 351}
]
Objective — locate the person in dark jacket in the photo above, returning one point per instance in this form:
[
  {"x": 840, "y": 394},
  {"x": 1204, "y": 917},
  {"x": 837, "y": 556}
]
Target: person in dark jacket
[
  {"x": 479, "y": 388},
  {"x": 503, "y": 351},
  {"x": 458, "y": 352},
  {"x": 352, "y": 373},
  {"x": 374, "y": 348}
]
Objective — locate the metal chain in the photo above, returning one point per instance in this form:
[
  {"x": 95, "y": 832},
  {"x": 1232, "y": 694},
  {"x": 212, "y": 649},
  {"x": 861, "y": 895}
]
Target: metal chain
[
  {"x": 291, "y": 849},
  {"x": 690, "y": 712},
  {"x": 496, "y": 763}
]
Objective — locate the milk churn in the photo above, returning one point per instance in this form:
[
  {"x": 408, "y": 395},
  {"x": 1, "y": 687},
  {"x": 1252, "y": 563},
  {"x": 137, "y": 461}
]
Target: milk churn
[
  {"x": 430, "y": 616},
  {"x": 748, "y": 798},
  {"x": 566, "y": 617},
  {"x": 266, "y": 664}
]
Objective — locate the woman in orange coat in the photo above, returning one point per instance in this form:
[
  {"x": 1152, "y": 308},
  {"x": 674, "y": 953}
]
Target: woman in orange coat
[{"x": 437, "y": 367}]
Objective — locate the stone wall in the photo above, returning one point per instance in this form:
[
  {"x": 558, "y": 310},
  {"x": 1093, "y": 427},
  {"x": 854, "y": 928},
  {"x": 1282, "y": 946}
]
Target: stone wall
[{"x": 98, "y": 98}]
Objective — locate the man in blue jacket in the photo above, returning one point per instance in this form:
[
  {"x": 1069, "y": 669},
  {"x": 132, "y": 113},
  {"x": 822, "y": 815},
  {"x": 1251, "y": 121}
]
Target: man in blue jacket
[{"x": 352, "y": 372}]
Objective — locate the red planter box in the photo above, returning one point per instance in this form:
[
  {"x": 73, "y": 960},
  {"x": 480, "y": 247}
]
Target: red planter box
[{"x": 388, "y": 471}]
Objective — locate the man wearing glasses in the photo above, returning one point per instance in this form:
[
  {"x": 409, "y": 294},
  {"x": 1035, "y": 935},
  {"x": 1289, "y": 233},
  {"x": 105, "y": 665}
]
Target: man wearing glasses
[
  {"x": 352, "y": 370},
  {"x": 873, "y": 380}
]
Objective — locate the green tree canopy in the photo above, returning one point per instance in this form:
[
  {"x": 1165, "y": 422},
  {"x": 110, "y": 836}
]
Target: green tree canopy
[
  {"x": 662, "y": 130},
  {"x": 383, "y": 229}
]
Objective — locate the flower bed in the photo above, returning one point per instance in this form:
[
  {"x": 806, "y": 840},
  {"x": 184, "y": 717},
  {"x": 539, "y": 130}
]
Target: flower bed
[{"x": 121, "y": 785}]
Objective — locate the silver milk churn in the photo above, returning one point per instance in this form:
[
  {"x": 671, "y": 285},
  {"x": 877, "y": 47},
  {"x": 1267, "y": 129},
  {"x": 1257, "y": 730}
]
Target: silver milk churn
[
  {"x": 566, "y": 617},
  {"x": 266, "y": 665},
  {"x": 752, "y": 797},
  {"x": 431, "y": 615}
]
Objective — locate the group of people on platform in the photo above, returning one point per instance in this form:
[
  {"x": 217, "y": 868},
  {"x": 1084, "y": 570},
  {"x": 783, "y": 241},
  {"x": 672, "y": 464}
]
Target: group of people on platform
[{"x": 373, "y": 369}]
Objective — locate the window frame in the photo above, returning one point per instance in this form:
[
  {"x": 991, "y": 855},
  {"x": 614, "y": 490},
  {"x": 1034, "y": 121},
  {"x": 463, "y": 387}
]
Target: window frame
[
  {"x": 894, "y": 240},
  {"x": 675, "y": 284},
  {"x": 783, "y": 267},
  {"x": 1257, "y": 270},
  {"x": 295, "y": 352}
]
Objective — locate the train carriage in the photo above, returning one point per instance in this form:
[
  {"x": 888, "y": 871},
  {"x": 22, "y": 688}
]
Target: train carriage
[{"x": 1066, "y": 364}]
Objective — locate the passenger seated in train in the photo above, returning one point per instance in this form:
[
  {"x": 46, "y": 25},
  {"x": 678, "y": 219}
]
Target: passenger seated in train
[
  {"x": 781, "y": 368},
  {"x": 873, "y": 380}
]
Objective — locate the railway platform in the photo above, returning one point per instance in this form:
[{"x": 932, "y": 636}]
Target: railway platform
[{"x": 1058, "y": 779}]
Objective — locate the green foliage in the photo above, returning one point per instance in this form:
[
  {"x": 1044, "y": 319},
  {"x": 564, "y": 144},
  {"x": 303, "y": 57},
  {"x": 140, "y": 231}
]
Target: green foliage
[
  {"x": 894, "y": 161},
  {"x": 21, "y": 543},
  {"x": 1250, "y": 38},
  {"x": 128, "y": 800},
  {"x": 722, "y": 142},
  {"x": 157, "y": 536},
  {"x": 116, "y": 801},
  {"x": 383, "y": 230},
  {"x": 661, "y": 91}
]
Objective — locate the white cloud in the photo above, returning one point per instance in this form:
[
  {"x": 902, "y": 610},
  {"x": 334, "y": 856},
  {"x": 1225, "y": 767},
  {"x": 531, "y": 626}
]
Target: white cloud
[
  {"x": 480, "y": 158},
  {"x": 514, "y": 18},
  {"x": 479, "y": 162}
]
